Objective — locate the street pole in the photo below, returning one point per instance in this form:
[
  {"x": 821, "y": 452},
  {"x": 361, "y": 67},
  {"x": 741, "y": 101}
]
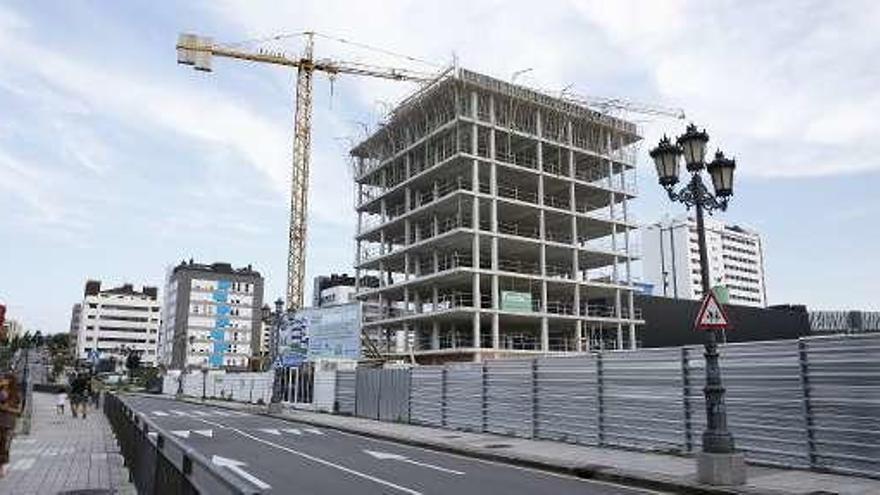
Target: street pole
[
  {"x": 716, "y": 438},
  {"x": 718, "y": 463}
]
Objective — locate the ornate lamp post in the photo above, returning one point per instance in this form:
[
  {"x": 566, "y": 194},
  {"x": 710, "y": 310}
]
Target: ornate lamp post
[{"x": 718, "y": 463}]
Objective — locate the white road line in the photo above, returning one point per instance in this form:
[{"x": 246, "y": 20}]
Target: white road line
[
  {"x": 271, "y": 431},
  {"x": 160, "y": 413},
  {"x": 467, "y": 458},
  {"x": 180, "y": 413},
  {"x": 314, "y": 430},
  {"x": 387, "y": 456},
  {"x": 236, "y": 467},
  {"x": 293, "y": 431},
  {"x": 316, "y": 459},
  {"x": 205, "y": 433},
  {"x": 23, "y": 464},
  {"x": 181, "y": 433}
]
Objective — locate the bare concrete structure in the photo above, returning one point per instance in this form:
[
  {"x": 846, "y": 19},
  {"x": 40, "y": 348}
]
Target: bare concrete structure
[{"x": 496, "y": 220}]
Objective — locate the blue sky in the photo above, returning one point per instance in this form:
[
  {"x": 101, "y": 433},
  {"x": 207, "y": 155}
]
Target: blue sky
[{"x": 115, "y": 162}]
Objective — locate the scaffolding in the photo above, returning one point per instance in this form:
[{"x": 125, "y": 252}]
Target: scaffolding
[{"x": 496, "y": 220}]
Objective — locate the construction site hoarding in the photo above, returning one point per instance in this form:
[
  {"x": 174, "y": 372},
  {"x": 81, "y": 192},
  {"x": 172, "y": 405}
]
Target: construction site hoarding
[{"x": 331, "y": 332}]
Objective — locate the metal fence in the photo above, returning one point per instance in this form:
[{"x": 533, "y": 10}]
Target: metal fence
[
  {"x": 159, "y": 464},
  {"x": 807, "y": 403}
]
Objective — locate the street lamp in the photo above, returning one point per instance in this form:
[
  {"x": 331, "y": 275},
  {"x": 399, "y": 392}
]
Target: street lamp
[
  {"x": 718, "y": 463},
  {"x": 204, "y": 381}
]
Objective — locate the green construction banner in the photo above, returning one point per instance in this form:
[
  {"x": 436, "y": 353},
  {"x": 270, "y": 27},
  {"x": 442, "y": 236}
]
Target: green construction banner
[{"x": 516, "y": 301}]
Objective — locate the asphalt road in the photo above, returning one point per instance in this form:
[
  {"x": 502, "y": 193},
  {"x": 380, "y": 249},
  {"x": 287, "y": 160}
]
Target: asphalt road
[{"x": 287, "y": 457}]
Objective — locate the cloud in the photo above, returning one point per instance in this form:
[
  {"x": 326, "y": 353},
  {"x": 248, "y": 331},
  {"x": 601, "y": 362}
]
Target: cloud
[{"x": 784, "y": 73}]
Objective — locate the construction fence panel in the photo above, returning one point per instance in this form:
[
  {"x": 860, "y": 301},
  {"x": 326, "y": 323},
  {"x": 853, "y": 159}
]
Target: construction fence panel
[
  {"x": 345, "y": 391},
  {"x": 764, "y": 400},
  {"x": 464, "y": 407},
  {"x": 642, "y": 404},
  {"x": 843, "y": 380},
  {"x": 567, "y": 399},
  {"x": 394, "y": 386},
  {"x": 367, "y": 393},
  {"x": 510, "y": 397},
  {"x": 325, "y": 390},
  {"x": 426, "y": 396}
]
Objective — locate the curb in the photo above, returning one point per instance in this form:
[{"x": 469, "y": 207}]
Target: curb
[{"x": 636, "y": 479}]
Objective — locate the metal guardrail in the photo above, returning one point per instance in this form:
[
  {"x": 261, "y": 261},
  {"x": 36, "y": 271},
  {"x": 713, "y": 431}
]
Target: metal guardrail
[
  {"x": 809, "y": 403},
  {"x": 160, "y": 464}
]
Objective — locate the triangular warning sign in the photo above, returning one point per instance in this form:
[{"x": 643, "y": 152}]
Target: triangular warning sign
[{"x": 712, "y": 315}]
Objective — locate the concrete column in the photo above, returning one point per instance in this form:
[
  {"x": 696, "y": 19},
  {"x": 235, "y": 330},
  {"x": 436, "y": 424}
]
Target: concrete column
[
  {"x": 475, "y": 249},
  {"x": 435, "y": 335},
  {"x": 579, "y": 336},
  {"x": 545, "y": 334}
]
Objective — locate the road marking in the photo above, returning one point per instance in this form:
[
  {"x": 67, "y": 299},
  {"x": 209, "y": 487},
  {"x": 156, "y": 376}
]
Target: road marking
[
  {"x": 236, "y": 467},
  {"x": 160, "y": 413},
  {"x": 22, "y": 464},
  {"x": 201, "y": 413},
  {"x": 314, "y": 430},
  {"x": 386, "y": 456},
  {"x": 293, "y": 431},
  {"x": 271, "y": 431},
  {"x": 315, "y": 459},
  {"x": 181, "y": 433},
  {"x": 223, "y": 414},
  {"x": 205, "y": 433},
  {"x": 180, "y": 413}
]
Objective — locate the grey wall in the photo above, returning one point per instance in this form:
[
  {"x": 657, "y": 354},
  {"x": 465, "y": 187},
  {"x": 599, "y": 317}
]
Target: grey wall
[{"x": 669, "y": 322}]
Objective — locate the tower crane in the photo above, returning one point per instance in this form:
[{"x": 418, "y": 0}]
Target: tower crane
[{"x": 198, "y": 51}]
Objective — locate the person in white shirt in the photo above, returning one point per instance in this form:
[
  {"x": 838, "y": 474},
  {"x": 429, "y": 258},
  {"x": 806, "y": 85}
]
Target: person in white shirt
[{"x": 60, "y": 400}]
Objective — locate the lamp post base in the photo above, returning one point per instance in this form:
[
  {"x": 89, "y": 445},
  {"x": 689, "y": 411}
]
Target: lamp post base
[{"x": 721, "y": 469}]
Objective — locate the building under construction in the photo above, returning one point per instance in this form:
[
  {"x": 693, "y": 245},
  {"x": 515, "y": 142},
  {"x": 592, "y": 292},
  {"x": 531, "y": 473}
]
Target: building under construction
[{"x": 495, "y": 218}]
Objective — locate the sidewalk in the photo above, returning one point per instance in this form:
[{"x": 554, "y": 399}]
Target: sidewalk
[
  {"x": 64, "y": 454},
  {"x": 656, "y": 471}
]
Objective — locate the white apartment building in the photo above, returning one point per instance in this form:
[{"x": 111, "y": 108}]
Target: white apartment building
[
  {"x": 113, "y": 322},
  {"x": 213, "y": 316},
  {"x": 671, "y": 260}
]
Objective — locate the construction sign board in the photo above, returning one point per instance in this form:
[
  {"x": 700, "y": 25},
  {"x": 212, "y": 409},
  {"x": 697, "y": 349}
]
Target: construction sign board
[{"x": 712, "y": 315}]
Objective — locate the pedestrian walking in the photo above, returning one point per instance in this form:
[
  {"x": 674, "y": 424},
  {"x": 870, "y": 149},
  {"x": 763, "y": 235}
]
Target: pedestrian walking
[
  {"x": 79, "y": 395},
  {"x": 60, "y": 400},
  {"x": 96, "y": 387},
  {"x": 10, "y": 409}
]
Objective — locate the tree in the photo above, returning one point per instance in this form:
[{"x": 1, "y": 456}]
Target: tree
[{"x": 132, "y": 362}]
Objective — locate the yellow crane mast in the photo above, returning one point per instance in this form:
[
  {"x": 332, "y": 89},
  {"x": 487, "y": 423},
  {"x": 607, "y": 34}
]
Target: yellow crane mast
[{"x": 198, "y": 51}]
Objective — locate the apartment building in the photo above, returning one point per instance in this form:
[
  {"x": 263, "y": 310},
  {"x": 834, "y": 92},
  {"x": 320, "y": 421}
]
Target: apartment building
[
  {"x": 495, "y": 219},
  {"x": 114, "y": 322},
  {"x": 213, "y": 316},
  {"x": 671, "y": 260}
]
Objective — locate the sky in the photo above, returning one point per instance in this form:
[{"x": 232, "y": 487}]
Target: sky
[{"x": 116, "y": 163}]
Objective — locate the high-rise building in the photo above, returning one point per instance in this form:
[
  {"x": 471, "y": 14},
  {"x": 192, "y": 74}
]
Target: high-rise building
[
  {"x": 114, "y": 322},
  {"x": 12, "y": 328},
  {"x": 213, "y": 316},
  {"x": 671, "y": 260},
  {"x": 496, "y": 220},
  {"x": 75, "y": 321}
]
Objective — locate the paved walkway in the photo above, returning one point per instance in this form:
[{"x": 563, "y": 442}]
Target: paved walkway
[
  {"x": 663, "y": 472},
  {"x": 64, "y": 454}
]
